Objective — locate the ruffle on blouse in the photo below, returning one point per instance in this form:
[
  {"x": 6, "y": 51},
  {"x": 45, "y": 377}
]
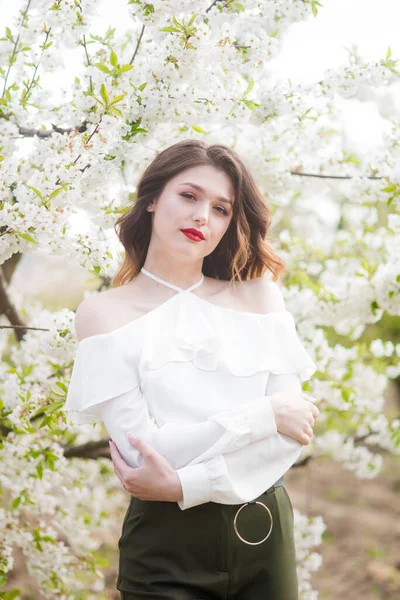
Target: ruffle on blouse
[
  {"x": 185, "y": 328},
  {"x": 104, "y": 368},
  {"x": 213, "y": 337}
]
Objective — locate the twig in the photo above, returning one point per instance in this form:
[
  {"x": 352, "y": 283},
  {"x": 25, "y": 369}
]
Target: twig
[
  {"x": 7, "y": 307},
  {"x": 15, "y": 49},
  {"x": 36, "y": 67},
  {"x": 137, "y": 45},
  {"x": 211, "y": 5},
  {"x": 85, "y": 144},
  {"x": 330, "y": 176},
  {"x": 23, "y": 327},
  {"x": 45, "y": 133},
  {"x": 88, "y": 62},
  {"x": 91, "y": 450}
]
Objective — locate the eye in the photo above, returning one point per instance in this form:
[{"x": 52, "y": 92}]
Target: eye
[
  {"x": 223, "y": 210},
  {"x": 220, "y": 208}
]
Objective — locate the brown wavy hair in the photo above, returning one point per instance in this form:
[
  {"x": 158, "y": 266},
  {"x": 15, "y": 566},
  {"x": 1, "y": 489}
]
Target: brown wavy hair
[{"x": 243, "y": 252}]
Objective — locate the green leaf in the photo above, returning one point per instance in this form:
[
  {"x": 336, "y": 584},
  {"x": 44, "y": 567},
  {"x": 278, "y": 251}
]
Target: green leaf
[
  {"x": 170, "y": 29},
  {"x": 388, "y": 54},
  {"x": 54, "y": 405},
  {"x": 314, "y": 4},
  {"x": 102, "y": 67},
  {"x": 16, "y": 502},
  {"x": 349, "y": 158},
  {"x": 249, "y": 87},
  {"x": 346, "y": 393},
  {"x": 10, "y": 595},
  {"x": 116, "y": 111},
  {"x": 37, "y": 192},
  {"x": 374, "y": 306},
  {"x": 100, "y": 102},
  {"x": 389, "y": 188},
  {"x": 142, "y": 86},
  {"x": 199, "y": 129},
  {"x": 50, "y": 459},
  {"x": 45, "y": 422},
  {"x": 39, "y": 469},
  {"x": 62, "y": 386},
  {"x": 27, "y": 237},
  {"x": 192, "y": 19},
  {"x": 113, "y": 58},
  {"x": 55, "y": 193},
  {"x": 103, "y": 93},
  {"x": 117, "y": 99},
  {"x": 125, "y": 68},
  {"x": 251, "y": 105}
]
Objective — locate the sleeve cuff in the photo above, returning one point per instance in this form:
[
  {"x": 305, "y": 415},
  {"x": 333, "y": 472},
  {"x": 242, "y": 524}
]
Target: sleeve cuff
[
  {"x": 195, "y": 483},
  {"x": 262, "y": 419}
]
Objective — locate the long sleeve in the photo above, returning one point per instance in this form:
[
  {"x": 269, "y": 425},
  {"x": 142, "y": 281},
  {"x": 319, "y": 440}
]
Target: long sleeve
[
  {"x": 242, "y": 475},
  {"x": 183, "y": 443}
]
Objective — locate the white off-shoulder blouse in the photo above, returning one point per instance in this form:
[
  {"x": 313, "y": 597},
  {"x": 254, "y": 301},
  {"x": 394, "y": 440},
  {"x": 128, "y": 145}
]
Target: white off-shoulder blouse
[{"x": 193, "y": 379}]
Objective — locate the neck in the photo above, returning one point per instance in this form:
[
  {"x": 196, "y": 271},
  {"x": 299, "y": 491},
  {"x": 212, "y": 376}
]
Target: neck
[{"x": 183, "y": 278}]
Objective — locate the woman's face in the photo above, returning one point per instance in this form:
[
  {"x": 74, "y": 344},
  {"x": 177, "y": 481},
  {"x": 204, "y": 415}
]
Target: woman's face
[{"x": 201, "y": 198}]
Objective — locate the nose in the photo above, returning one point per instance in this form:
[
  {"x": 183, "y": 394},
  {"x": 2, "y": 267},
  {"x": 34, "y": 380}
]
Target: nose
[{"x": 201, "y": 213}]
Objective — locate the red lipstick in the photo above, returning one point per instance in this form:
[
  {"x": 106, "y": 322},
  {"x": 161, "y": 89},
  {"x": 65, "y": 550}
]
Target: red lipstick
[{"x": 193, "y": 234}]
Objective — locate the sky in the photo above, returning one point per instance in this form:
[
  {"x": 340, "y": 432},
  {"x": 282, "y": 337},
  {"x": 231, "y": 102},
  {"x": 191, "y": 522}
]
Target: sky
[{"x": 312, "y": 46}]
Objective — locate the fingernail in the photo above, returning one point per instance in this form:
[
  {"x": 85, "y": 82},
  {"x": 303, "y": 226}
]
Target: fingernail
[{"x": 131, "y": 436}]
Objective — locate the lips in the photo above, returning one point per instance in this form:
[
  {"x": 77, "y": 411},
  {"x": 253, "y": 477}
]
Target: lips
[{"x": 193, "y": 234}]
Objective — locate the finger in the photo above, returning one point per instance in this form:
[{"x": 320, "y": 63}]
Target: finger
[
  {"x": 315, "y": 412},
  {"x": 122, "y": 469},
  {"x": 308, "y": 397},
  {"x": 113, "y": 454},
  {"x": 143, "y": 447}
]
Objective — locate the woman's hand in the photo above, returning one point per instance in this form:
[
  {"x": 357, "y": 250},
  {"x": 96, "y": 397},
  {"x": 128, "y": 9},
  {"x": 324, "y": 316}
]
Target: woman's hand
[
  {"x": 155, "y": 479},
  {"x": 295, "y": 414}
]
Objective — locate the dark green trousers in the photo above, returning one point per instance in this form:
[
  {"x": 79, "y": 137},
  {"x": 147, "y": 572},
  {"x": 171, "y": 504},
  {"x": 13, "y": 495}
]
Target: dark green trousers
[{"x": 169, "y": 554}]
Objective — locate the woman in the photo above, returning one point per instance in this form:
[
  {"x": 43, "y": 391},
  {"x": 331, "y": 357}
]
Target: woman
[{"x": 193, "y": 352}]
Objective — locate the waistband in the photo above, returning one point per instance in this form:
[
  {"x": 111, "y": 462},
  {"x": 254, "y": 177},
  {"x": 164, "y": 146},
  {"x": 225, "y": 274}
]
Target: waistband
[{"x": 280, "y": 481}]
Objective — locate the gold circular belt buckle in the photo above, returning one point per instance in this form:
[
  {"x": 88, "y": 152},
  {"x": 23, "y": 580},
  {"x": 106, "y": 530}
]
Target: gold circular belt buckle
[{"x": 238, "y": 534}]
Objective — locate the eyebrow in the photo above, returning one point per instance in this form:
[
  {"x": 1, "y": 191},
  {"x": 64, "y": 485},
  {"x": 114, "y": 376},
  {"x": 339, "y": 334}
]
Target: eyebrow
[{"x": 200, "y": 189}]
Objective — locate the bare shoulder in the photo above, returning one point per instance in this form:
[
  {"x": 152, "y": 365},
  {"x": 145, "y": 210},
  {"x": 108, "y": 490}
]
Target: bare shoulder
[
  {"x": 100, "y": 313},
  {"x": 263, "y": 295}
]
